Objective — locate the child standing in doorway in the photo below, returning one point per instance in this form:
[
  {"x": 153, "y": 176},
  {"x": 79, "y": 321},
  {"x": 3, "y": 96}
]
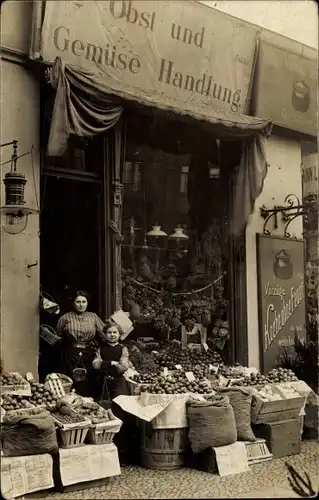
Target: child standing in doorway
[{"x": 112, "y": 360}]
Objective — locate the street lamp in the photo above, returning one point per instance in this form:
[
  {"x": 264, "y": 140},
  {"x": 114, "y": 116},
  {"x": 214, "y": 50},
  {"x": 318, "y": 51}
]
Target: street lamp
[{"x": 14, "y": 213}]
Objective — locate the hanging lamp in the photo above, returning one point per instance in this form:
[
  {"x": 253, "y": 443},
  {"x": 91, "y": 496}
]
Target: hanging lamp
[{"x": 15, "y": 213}]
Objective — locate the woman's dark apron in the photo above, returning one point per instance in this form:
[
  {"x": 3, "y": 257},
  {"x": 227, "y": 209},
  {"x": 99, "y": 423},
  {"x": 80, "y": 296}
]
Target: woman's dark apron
[{"x": 74, "y": 355}]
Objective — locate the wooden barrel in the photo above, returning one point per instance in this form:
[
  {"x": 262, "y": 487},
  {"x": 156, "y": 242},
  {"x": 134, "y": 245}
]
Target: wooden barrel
[{"x": 163, "y": 449}]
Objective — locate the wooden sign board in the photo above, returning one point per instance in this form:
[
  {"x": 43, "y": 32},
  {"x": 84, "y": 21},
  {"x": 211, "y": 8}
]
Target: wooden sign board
[{"x": 281, "y": 297}]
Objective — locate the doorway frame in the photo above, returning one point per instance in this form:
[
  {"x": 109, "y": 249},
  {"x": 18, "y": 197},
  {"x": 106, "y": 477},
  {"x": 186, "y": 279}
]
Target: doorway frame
[{"x": 91, "y": 178}]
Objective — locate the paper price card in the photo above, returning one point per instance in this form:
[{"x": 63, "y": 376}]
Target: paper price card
[
  {"x": 178, "y": 367},
  {"x": 155, "y": 352},
  {"x": 231, "y": 459},
  {"x": 165, "y": 371},
  {"x": 205, "y": 345},
  {"x": 190, "y": 376}
]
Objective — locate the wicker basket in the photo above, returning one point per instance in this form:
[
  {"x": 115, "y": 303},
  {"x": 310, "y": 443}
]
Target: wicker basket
[
  {"x": 48, "y": 334},
  {"x": 104, "y": 432},
  {"x": 73, "y": 435}
]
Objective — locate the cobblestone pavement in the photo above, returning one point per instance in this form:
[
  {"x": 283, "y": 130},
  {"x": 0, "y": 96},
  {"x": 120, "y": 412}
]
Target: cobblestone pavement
[{"x": 266, "y": 480}]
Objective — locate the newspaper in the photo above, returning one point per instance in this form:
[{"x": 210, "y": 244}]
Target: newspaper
[
  {"x": 88, "y": 463},
  {"x": 23, "y": 475},
  {"x": 232, "y": 459},
  {"x": 165, "y": 411},
  {"x": 146, "y": 406}
]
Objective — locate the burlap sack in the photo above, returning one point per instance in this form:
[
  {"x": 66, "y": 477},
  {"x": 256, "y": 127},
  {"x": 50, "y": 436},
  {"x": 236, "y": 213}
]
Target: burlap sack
[
  {"x": 241, "y": 400},
  {"x": 211, "y": 423},
  {"x": 32, "y": 435}
]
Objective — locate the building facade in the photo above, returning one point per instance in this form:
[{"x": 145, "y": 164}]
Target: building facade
[{"x": 20, "y": 115}]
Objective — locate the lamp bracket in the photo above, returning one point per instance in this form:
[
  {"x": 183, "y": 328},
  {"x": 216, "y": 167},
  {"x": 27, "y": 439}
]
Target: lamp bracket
[
  {"x": 18, "y": 210},
  {"x": 291, "y": 209}
]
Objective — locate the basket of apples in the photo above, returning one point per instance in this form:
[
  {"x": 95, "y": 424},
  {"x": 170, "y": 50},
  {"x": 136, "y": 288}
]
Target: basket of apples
[
  {"x": 14, "y": 383},
  {"x": 104, "y": 423}
]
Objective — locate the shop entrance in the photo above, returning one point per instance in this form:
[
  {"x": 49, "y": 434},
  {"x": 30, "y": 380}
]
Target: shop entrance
[{"x": 69, "y": 240}]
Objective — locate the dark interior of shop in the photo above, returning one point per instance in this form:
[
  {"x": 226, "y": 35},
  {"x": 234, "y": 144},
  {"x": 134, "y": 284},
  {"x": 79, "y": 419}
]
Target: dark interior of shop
[{"x": 176, "y": 176}]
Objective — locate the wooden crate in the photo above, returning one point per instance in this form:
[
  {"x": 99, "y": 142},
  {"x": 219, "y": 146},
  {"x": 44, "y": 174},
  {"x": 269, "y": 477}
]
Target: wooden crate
[
  {"x": 55, "y": 386},
  {"x": 73, "y": 435},
  {"x": 283, "y": 438},
  {"x": 257, "y": 451},
  {"x": 274, "y": 411},
  {"x": 104, "y": 432}
]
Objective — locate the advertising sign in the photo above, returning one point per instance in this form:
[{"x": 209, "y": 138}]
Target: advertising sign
[
  {"x": 176, "y": 53},
  {"x": 287, "y": 87},
  {"x": 310, "y": 177},
  {"x": 281, "y": 297}
]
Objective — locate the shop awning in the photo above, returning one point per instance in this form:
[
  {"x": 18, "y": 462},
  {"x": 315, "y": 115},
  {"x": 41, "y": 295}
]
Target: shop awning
[{"x": 86, "y": 107}]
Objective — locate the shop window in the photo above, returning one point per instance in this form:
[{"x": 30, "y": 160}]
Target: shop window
[{"x": 174, "y": 252}]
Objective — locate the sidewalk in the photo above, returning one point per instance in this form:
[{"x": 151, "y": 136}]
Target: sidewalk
[{"x": 267, "y": 480}]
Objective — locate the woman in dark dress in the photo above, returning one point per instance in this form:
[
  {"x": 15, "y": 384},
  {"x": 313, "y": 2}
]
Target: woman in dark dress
[{"x": 78, "y": 330}]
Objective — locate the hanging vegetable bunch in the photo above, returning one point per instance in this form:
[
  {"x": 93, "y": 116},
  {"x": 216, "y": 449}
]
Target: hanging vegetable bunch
[
  {"x": 140, "y": 301},
  {"x": 188, "y": 313},
  {"x": 143, "y": 361}
]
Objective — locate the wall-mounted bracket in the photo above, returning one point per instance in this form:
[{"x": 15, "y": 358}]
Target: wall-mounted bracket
[{"x": 291, "y": 209}]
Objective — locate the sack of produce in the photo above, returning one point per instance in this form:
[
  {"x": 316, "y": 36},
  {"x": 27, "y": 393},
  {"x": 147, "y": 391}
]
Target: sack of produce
[
  {"x": 241, "y": 401},
  {"x": 211, "y": 423},
  {"x": 23, "y": 435}
]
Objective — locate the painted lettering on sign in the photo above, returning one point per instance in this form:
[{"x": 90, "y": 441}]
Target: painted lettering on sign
[
  {"x": 281, "y": 297},
  {"x": 166, "y": 52},
  {"x": 277, "y": 318}
]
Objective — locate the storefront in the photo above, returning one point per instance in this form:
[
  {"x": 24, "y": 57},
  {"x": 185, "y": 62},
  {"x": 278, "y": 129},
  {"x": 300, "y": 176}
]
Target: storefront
[
  {"x": 178, "y": 121},
  {"x": 152, "y": 80},
  {"x": 151, "y": 180}
]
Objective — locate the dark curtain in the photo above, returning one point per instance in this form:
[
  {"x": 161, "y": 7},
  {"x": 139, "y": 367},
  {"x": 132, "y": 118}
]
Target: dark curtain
[{"x": 81, "y": 107}]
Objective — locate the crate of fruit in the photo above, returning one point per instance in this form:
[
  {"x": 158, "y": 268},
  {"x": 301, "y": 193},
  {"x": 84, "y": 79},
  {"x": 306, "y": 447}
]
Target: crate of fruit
[
  {"x": 104, "y": 432},
  {"x": 72, "y": 435},
  {"x": 270, "y": 404},
  {"x": 14, "y": 383}
]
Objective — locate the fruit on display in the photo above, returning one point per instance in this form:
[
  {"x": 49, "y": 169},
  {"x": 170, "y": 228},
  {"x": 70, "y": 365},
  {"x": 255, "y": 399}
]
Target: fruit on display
[
  {"x": 42, "y": 396},
  {"x": 95, "y": 413},
  {"x": 269, "y": 393},
  {"x": 140, "y": 301},
  {"x": 177, "y": 383},
  {"x": 281, "y": 375},
  {"x": 145, "y": 378},
  {"x": 253, "y": 379},
  {"x": 230, "y": 371},
  {"x": 190, "y": 360},
  {"x": 22, "y": 412},
  {"x": 13, "y": 402},
  {"x": 144, "y": 362},
  {"x": 11, "y": 379},
  {"x": 73, "y": 418},
  {"x": 171, "y": 354},
  {"x": 275, "y": 376}
]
